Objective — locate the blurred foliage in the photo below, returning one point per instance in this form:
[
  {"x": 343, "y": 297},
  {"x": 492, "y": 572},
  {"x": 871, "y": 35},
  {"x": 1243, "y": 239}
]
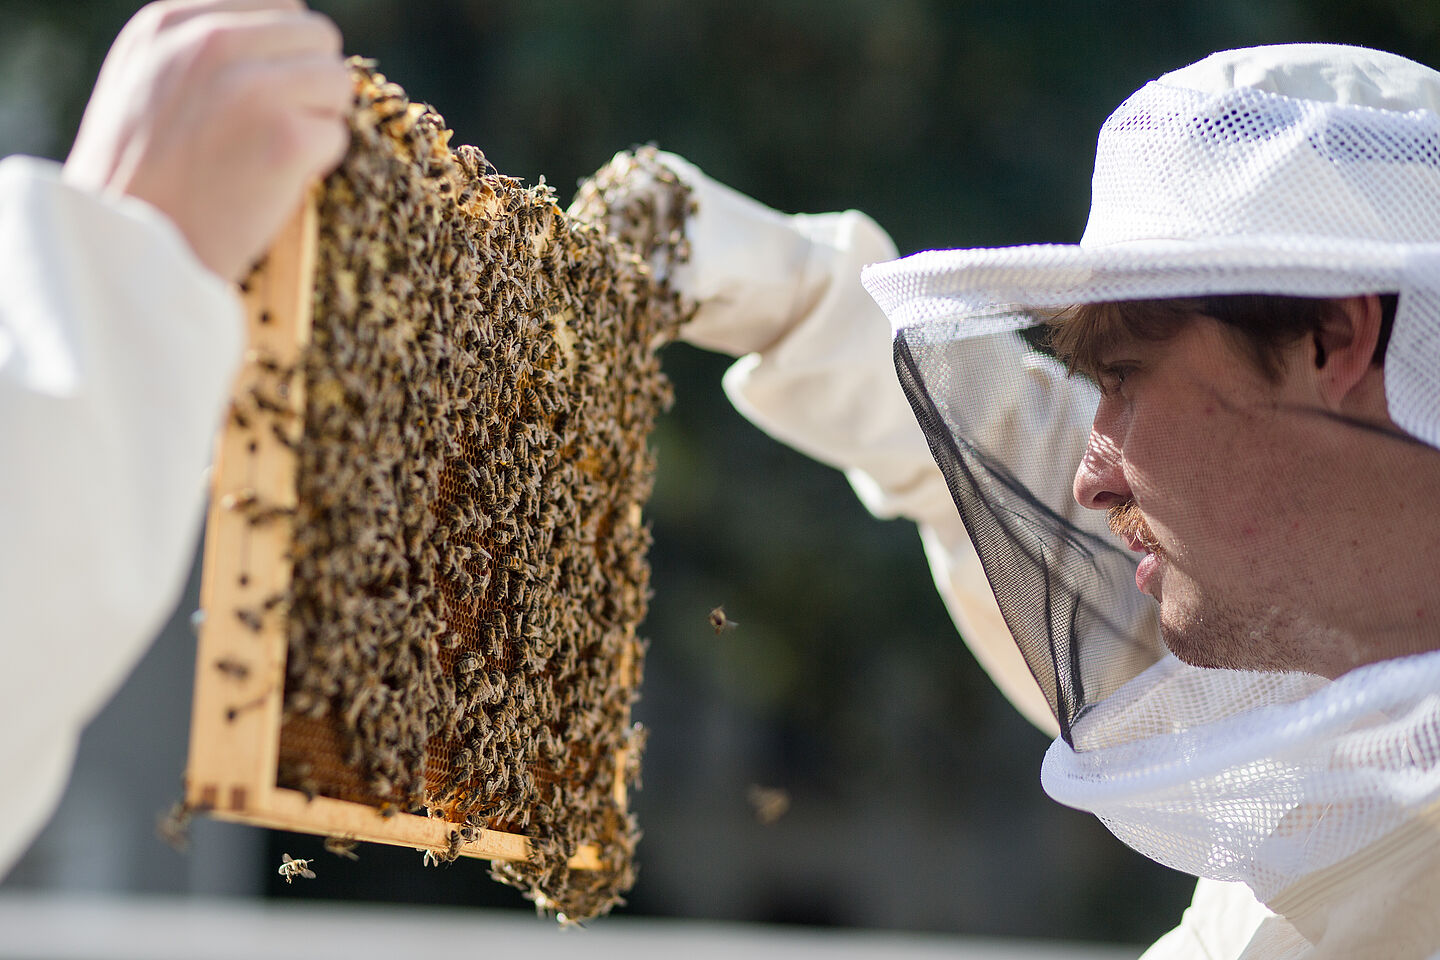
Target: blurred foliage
[{"x": 914, "y": 785}]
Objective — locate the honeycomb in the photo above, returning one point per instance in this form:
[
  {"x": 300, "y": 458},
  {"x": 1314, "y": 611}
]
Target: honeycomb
[{"x": 469, "y": 548}]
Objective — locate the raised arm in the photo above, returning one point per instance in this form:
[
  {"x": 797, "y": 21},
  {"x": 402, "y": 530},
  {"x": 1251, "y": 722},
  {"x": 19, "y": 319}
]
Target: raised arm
[
  {"x": 119, "y": 335},
  {"x": 816, "y": 372}
]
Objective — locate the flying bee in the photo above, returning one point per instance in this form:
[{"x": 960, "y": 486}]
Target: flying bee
[
  {"x": 769, "y": 803},
  {"x": 341, "y": 847},
  {"x": 290, "y": 868},
  {"x": 174, "y": 826},
  {"x": 720, "y": 622}
]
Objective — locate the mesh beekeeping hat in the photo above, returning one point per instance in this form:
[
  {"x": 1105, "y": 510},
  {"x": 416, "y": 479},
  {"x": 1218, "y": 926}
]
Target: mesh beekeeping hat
[{"x": 1303, "y": 170}]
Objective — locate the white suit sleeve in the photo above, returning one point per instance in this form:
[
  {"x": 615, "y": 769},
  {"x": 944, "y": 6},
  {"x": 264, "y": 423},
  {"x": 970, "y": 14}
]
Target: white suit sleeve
[
  {"x": 817, "y": 372},
  {"x": 1220, "y": 923},
  {"x": 117, "y": 350}
]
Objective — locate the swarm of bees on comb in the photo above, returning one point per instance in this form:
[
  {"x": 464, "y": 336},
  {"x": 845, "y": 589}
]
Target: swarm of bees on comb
[{"x": 469, "y": 553}]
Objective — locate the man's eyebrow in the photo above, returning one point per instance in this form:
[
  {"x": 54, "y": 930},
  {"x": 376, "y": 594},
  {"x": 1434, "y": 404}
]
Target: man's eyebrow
[{"x": 1095, "y": 356}]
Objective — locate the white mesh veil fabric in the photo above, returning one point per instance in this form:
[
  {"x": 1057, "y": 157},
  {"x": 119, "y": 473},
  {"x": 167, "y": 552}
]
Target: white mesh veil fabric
[
  {"x": 1307, "y": 171},
  {"x": 1265, "y": 778},
  {"x": 1244, "y": 191}
]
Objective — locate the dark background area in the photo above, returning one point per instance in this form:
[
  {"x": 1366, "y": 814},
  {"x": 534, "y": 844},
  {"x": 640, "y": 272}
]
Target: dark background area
[{"x": 915, "y": 787}]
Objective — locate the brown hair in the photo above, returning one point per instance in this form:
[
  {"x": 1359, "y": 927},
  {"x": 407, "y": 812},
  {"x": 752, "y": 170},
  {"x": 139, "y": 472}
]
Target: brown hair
[{"x": 1262, "y": 324}]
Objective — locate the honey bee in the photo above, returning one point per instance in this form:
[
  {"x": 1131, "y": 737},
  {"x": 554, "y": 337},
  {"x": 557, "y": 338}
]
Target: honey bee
[
  {"x": 719, "y": 622},
  {"x": 238, "y": 500},
  {"x": 287, "y": 441},
  {"x": 422, "y": 372},
  {"x": 270, "y": 404},
  {"x": 232, "y": 668},
  {"x": 341, "y": 847},
  {"x": 174, "y": 826},
  {"x": 310, "y": 787},
  {"x": 769, "y": 803},
  {"x": 233, "y": 713},
  {"x": 290, "y": 869},
  {"x": 260, "y": 517}
]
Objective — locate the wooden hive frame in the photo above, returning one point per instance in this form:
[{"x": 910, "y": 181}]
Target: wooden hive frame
[
  {"x": 426, "y": 561},
  {"x": 240, "y": 670}
]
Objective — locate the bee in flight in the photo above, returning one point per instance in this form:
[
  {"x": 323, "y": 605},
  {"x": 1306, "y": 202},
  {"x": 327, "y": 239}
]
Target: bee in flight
[
  {"x": 769, "y": 803},
  {"x": 720, "y": 622},
  {"x": 174, "y": 827},
  {"x": 341, "y": 847},
  {"x": 290, "y": 869}
]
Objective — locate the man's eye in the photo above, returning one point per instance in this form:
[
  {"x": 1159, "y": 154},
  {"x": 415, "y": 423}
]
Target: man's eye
[{"x": 1113, "y": 377}]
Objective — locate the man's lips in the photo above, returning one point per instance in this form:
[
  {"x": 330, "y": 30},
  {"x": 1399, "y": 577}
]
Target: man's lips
[
  {"x": 1146, "y": 572},
  {"x": 1128, "y": 524},
  {"x": 1149, "y": 565}
]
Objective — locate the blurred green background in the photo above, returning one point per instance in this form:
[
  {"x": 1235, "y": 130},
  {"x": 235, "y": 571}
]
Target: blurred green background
[{"x": 915, "y": 795}]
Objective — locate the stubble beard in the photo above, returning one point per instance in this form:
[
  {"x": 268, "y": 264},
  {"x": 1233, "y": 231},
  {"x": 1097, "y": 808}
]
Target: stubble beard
[
  {"x": 1205, "y": 632},
  {"x": 1200, "y": 627}
]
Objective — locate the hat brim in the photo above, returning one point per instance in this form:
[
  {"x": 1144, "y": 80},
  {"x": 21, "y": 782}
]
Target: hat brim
[{"x": 990, "y": 289}]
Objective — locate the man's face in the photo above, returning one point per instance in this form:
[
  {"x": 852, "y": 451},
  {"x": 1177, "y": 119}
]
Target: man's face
[{"x": 1209, "y": 469}]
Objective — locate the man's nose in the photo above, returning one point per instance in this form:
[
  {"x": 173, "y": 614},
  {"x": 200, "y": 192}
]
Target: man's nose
[{"x": 1100, "y": 479}]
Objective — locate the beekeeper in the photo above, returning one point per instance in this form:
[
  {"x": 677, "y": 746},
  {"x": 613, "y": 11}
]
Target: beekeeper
[
  {"x": 119, "y": 334},
  {"x": 1203, "y": 546}
]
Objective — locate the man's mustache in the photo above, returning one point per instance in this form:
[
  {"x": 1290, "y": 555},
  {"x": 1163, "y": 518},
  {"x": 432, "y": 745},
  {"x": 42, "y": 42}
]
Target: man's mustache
[{"x": 1127, "y": 523}]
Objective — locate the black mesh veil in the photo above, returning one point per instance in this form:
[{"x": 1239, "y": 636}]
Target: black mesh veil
[{"x": 1067, "y": 593}]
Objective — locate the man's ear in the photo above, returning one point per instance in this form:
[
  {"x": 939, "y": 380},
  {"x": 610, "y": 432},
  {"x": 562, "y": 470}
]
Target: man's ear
[{"x": 1345, "y": 345}]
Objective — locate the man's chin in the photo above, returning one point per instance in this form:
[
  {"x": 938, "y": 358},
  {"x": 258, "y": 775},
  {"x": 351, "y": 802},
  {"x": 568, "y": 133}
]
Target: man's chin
[
  {"x": 1201, "y": 641},
  {"x": 1193, "y": 654},
  {"x": 1183, "y": 647},
  {"x": 1219, "y": 640}
]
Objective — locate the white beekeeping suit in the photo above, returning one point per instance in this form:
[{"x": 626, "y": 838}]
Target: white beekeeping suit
[
  {"x": 1319, "y": 795},
  {"x": 119, "y": 337},
  {"x": 117, "y": 349},
  {"x": 783, "y": 293}
]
